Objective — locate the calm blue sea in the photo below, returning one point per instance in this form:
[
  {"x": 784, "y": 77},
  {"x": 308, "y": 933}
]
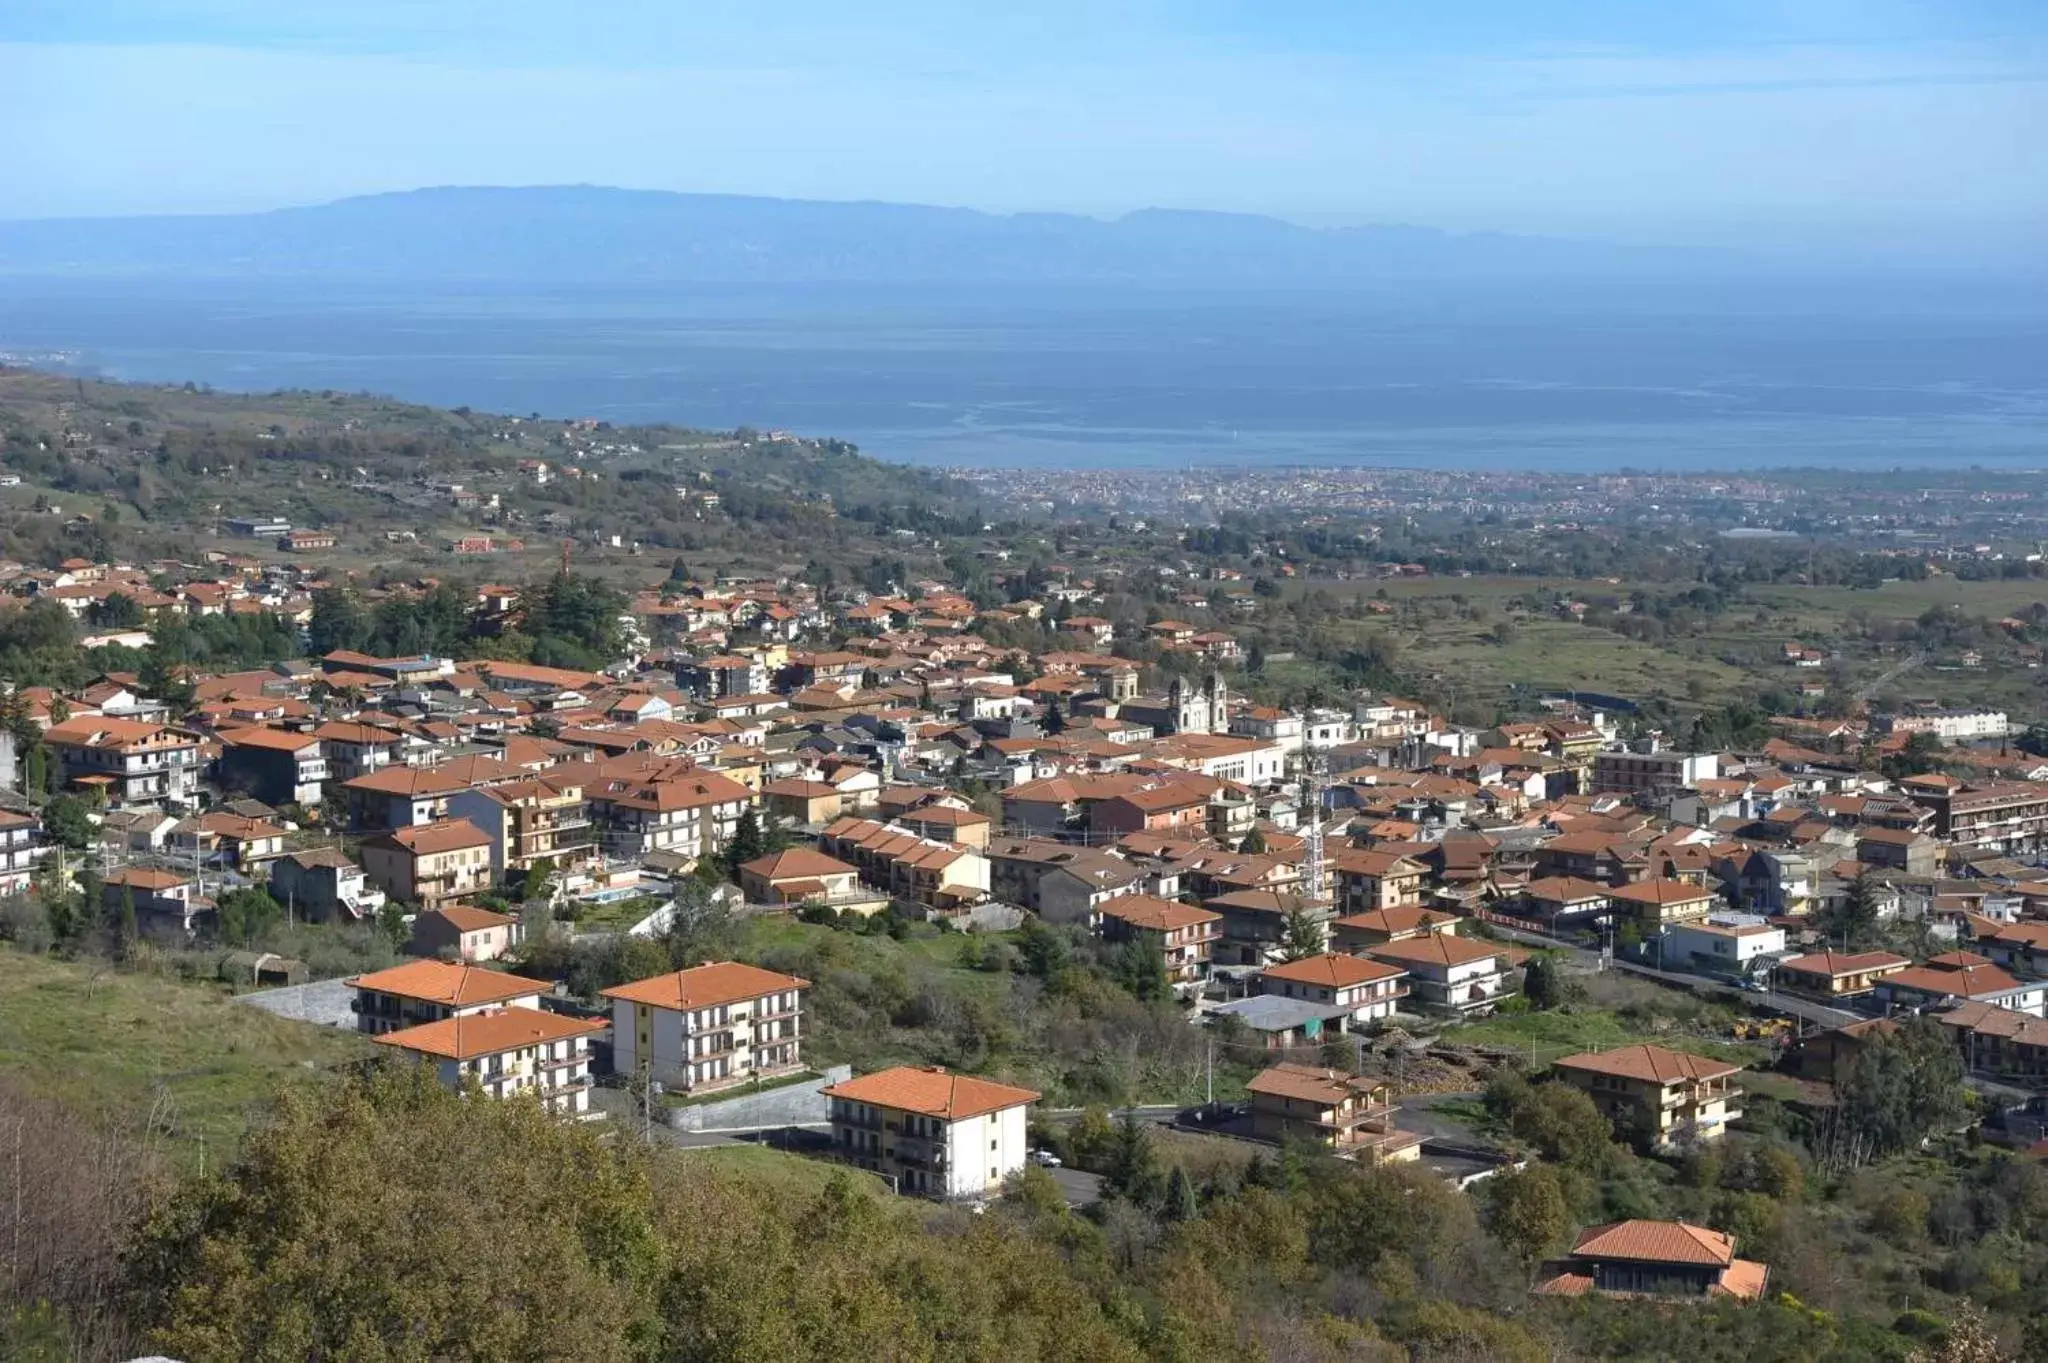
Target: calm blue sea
[{"x": 1555, "y": 378}]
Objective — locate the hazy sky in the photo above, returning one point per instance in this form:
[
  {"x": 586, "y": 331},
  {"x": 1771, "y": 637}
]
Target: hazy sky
[{"x": 1868, "y": 126}]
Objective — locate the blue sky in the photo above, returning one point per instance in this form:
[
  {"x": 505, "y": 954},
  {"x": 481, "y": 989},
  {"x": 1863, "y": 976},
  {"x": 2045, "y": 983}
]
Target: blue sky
[{"x": 1870, "y": 128}]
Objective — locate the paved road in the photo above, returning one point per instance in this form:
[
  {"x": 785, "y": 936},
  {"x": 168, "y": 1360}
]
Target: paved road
[
  {"x": 1867, "y": 693},
  {"x": 1082, "y": 1189}
]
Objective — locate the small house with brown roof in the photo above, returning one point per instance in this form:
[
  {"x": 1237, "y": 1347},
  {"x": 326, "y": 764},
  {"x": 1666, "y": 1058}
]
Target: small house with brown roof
[
  {"x": 1660, "y": 903},
  {"x": 1662, "y": 1259},
  {"x": 1360, "y": 931},
  {"x": 802, "y": 875},
  {"x": 798, "y": 801},
  {"x": 1830, "y": 975},
  {"x": 463, "y": 932}
]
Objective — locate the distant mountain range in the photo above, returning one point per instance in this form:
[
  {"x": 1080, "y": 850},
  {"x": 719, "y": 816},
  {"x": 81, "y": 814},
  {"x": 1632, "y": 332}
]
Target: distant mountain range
[{"x": 572, "y": 234}]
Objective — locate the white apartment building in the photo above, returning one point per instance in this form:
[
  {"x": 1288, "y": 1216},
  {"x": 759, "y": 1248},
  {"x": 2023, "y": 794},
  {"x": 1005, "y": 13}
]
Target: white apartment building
[
  {"x": 708, "y": 1027},
  {"x": 1351, "y": 990},
  {"x": 933, "y": 1133},
  {"x": 1953, "y": 726},
  {"x": 133, "y": 762},
  {"x": 1629, "y": 773},
  {"x": 508, "y": 1051},
  {"x": 429, "y": 991},
  {"x": 693, "y": 815},
  {"x": 22, "y": 849},
  {"x": 1732, "y": 946}
]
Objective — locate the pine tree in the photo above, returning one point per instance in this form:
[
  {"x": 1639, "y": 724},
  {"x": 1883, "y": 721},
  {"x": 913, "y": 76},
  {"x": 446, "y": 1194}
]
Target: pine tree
[
  {"x": 1301, "y": 936},
  {"x": 1133, "y": 1172},
  {"x": 747, "y": 843},
  {"x": 1181, "y": 1202},
  {"x": 1254, "y": 843}
]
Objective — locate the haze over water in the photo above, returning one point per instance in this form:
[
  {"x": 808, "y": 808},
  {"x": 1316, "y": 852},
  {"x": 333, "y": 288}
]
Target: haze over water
[{"x": 1549, "y": 377}]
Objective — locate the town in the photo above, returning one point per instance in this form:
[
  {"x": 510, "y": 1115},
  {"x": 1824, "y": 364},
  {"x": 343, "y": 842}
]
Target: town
[{"x": 1029, "y": 898}]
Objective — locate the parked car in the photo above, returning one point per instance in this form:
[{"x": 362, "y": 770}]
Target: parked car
[{"x": 1044, "y": 1159}]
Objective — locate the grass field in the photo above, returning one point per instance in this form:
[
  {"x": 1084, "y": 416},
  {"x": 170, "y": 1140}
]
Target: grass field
[
  {"x": 1545, "y": 1037},
  {"x": 137, "y": 1048},
  {"x": 779, "y": 1172}
]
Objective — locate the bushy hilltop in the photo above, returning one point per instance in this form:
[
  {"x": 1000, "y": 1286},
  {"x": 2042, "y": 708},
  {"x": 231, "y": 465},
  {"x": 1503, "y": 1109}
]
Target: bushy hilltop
[{"x": 141, "y": 466}]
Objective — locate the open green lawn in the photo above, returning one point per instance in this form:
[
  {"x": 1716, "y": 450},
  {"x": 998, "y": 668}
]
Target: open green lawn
[
  {"x": 780, "y": 1172},
  {"x": 136, "y": 1048},
  {"x": 1545, "y": 1037}
]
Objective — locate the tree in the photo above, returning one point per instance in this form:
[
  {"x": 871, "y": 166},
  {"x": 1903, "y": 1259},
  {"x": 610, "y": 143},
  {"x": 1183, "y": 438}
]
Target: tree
[
  {"x": 1254, "y": 843},
  {"x": 1530, "y": 1213},
  {"x": 245, "y": 916},
  {"x": 66, "y": 822},
  {"x": 374, "y": 1184},
  {"x": 1139, "y": 966},
  {"x": 1852, "y": 925},
  {"x": 391, "y": 919},
  {"x": 117, "y": 610},
  {"x": 1133, "y": 1172},
  {"x": 1055, "y": 721},
  {"x": 35, "y": 773},
  {"x": 540, "y": 879},
  {"x": 1301, "y": 935},
  {"x": 1182, "y": 1204},
  {"x": 700, "y": 927},
  {"x": 748, "y": 843},
  {"x": 1562, "y": 1122},
  {"x": 1541, "y": 982},
  {"x": 1899, "y": 1089}
]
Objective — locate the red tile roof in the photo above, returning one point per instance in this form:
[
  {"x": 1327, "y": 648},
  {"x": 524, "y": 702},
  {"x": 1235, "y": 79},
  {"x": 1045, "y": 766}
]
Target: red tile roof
[{"x": 932, "y": 1092}]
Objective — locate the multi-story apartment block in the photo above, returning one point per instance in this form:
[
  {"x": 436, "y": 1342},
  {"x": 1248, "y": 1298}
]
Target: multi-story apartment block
[
  {"x": 135, "y": 763},
  {"x": 1353, "y": 1118},
  {"x": 526, "y": 821},
  {"x": 1450, "y": 973},
  {"x": 507, "y": 1051},
  {"x": 431, "y": 864},
  {"x": 1351, "y": 990},
  {"x": 1369, "y": 880},
  {"x": 1631, "y": 773},
  {"x": 22, "y": 850},
  {"x": 932, "y": 1133},
  {"x": 692, "y": 814},
  {"x": 274, "y": 765},
  {"x": 1183, "y": 935},
  {"x": 428, "y": 991},
  {"x": 1660, "y": 1097},
  {"x": 2010, "y": 816},
  {"x": 708, "y": 1027}
]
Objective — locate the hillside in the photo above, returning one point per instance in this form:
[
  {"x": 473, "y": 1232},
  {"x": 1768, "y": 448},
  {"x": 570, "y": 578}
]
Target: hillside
[
  {"x": 150, "y": 470},
  {"x": 589, "y": 234}
]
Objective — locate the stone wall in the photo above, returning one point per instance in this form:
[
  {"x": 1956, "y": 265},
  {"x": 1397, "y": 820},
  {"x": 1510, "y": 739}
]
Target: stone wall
[{"x": 802, "y": 1104}]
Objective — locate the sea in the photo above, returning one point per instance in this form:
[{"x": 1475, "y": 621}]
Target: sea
[{"x": 1555, "y": 376}]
